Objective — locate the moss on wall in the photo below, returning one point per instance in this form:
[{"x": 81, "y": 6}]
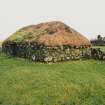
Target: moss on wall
[{"x": 46, "y": 54}]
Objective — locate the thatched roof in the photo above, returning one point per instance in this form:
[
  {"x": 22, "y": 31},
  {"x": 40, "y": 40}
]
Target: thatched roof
[{"x": 50, "y": 34}]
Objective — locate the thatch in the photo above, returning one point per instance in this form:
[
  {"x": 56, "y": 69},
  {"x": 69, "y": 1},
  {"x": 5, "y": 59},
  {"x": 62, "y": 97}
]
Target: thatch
[{"x": 50, "y": 34}]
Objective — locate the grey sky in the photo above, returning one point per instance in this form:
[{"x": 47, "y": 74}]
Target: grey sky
[{"x": 86, "y": 16}]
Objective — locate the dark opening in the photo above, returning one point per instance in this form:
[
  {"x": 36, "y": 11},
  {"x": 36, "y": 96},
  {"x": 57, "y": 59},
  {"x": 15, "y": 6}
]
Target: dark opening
[{"x": 14, "y": 49}]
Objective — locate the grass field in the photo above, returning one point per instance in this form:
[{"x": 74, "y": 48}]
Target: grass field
[
  {"x": 23, "y": 82},
  {"x": 101, "y": 47}
]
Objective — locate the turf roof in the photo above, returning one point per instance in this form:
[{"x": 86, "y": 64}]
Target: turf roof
[{"x": 51, "y": 34}]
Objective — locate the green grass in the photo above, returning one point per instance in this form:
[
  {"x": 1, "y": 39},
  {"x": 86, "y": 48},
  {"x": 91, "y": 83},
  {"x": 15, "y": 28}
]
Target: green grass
[
  {"x": 25, "y": 35},
  {"x": 23, "y": 82},
  {"x": 101, "y": 47}
]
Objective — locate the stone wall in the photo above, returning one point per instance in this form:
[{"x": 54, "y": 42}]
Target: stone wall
[
  {"x": 97, "y": 54},
  {"x": 46, "y": 54}
]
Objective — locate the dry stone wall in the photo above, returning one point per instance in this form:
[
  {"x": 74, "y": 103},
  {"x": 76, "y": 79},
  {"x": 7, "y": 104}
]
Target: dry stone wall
[
  {"x": 97, "y": 54},
  {"x": 47, "y": 54}
]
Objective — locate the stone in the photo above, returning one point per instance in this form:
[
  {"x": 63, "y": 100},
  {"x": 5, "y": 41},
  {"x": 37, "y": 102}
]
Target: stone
[{"x": 33, "y": 57}]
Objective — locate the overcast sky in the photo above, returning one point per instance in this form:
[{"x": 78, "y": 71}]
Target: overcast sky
[{"x": 85, "y": 16}]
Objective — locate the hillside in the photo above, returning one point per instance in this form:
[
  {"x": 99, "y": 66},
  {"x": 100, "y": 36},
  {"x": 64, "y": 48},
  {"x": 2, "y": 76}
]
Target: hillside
[{"x": 23, "y": 82}]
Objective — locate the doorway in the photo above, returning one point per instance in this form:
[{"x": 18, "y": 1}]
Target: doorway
[{"x": 14, "y": 49}]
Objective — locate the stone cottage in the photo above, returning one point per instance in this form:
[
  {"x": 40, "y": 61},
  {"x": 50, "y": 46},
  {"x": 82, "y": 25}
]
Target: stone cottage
[{"x": 47, "y": 42}]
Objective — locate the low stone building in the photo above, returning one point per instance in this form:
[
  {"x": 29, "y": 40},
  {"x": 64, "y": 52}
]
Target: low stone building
[
  {"x": 47, "y": 42},
  {"x": 98, "y": 42}
]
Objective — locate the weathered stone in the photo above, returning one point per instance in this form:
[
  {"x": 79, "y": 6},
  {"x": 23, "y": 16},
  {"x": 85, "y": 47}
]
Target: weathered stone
[{"x": 48, "y": 59}]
